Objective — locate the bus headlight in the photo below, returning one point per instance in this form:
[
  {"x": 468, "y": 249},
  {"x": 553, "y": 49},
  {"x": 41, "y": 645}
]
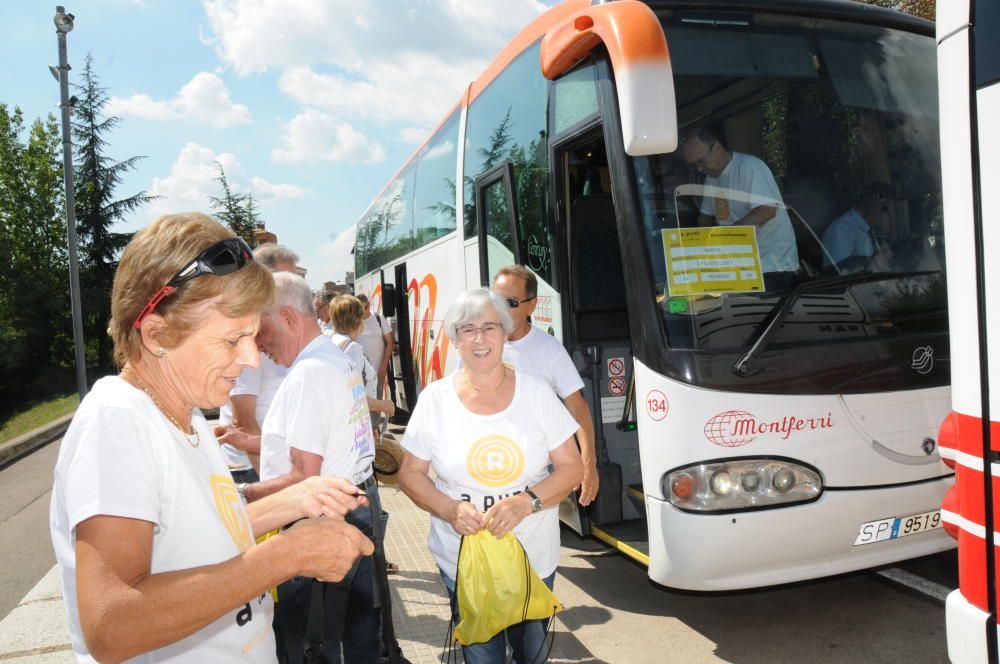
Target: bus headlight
[{"x": 740, "y": 484}]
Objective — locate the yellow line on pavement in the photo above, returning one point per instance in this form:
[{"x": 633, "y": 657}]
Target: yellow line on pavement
[{"x": 629, "y": 551}]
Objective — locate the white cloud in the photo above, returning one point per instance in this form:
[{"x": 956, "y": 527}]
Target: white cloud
[
  {"x": 337, "y": 257},
  {"x": 314, "y": 135},
  {"x": 417, "y": 87},
  {"x": 192, "y": 181},
  {"x": 265, "y": 190},
  {"x": 413, "y": 135},
  {"x": 204, "y": 98},
  {"x": 393, "y": 61},
  {"x": 256, "y": 35}
]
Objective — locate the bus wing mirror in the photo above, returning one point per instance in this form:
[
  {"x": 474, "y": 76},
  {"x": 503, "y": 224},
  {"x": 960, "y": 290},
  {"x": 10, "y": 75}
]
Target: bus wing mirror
[
  {"x": 388, "y": 300},
  {"x": 644, "y": 79}
]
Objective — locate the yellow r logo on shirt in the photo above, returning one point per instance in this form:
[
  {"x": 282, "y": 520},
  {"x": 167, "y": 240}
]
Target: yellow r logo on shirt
[
  {"x": 721, "y": 209},
  {"x": 495, "y": 461},
  {"x": 230, "y": 509}
]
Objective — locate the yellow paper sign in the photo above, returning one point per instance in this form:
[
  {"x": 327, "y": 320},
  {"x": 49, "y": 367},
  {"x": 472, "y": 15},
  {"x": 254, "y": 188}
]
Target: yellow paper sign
[{"x": 719, "y": 259}]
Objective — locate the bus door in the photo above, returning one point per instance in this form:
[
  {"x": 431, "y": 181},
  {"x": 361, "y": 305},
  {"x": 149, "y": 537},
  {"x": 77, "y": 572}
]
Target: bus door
[
  {"x": 496, "y": 212},
  {"x": 597, "y": 334},
  {"x": 396, "y": 302}
]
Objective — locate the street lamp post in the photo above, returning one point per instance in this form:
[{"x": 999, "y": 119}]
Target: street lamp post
[{"x": 64, "y": 23}]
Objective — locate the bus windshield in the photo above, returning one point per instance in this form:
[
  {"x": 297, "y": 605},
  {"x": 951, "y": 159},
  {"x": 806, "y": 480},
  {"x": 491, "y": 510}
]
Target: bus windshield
[{"x": 807, "y": 183}]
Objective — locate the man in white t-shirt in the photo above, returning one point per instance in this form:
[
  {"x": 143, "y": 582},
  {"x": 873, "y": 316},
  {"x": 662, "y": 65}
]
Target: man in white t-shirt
[
  {"x": 317, "y": 424},
  {"x": 377, "y": 341},
  {"x": 532, "y": 351},
  {"x": 255, "y": 388},
  {"x": 750, "y": 180}
]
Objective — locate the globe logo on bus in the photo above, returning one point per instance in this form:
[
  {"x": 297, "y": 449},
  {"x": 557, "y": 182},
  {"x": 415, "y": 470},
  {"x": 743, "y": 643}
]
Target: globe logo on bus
[{"x": 732, "y": 428}]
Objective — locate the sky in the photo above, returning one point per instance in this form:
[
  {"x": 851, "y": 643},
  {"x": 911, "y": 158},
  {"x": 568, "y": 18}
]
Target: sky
[{"x": 310, "y": 105}]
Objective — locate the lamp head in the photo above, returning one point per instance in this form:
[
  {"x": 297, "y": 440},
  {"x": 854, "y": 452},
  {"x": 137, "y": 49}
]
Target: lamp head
[{"x": 63, "y": 21}]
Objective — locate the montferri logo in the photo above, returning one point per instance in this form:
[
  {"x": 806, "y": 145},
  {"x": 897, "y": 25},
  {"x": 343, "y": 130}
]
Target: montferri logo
[
  {"x": 923, "y": 360},
  {"x": 736, "y": 428}
]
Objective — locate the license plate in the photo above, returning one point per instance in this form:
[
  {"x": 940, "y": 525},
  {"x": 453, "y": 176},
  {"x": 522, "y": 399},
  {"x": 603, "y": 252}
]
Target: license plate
[{"x": 894, "y": 527}]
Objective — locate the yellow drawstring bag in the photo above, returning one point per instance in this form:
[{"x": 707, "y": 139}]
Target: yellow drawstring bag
[{"x": 497, "y": 588}]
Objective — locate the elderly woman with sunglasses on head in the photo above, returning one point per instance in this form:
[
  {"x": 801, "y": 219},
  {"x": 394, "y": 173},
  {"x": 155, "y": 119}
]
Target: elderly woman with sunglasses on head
[
  {"x": 155, "y": 547},
  {"x": 491, "y": 436}
]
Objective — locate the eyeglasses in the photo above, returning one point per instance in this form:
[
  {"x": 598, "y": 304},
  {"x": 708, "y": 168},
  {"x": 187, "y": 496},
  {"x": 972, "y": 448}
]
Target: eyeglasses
[
  {"x": 703, "y": 162},
  {"x": 223, "y": 257},
  {"x": 470, "y": 332},
  {"x": 514, "y": 303}
]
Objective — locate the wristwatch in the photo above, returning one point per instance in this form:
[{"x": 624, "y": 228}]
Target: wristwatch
[
  {"x": 241, "y": 489},
  {"x": 536, "y": 502}
]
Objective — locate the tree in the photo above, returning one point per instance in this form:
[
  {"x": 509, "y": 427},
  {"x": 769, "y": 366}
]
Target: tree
[
  {"x": 238, "y": 211},
  {"x": 35, "y": 329},
  {"x": 921, "y": 8},
  {"x": 97, "y": 211}
]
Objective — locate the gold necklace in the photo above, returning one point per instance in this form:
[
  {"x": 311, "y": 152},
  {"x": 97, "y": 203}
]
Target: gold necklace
[
  {"x": 491, "y": 389},
  {"x": 142, "y": 386}
]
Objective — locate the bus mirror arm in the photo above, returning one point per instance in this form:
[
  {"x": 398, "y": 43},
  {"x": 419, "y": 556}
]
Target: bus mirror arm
[{"x": 745, "y": 365}]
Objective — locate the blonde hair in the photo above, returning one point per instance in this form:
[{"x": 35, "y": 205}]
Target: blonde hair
[
  {"x": 154, "y": 255},
  {"x": 346, "y": 312}
]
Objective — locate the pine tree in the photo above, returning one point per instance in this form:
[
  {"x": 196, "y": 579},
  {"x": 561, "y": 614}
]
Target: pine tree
[
  {"x": 236, "y": 210},
  {"x": 97, "y": 177}
]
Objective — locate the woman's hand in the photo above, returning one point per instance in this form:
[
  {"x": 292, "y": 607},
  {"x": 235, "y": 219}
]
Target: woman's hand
[
  {"x": 327, "y": 496},
  {"x": 388, "y": 407},
  {"x": 504, "y": 516},
  {"x": 464, "y": 518},
  {"x": 327, "y": 547}
]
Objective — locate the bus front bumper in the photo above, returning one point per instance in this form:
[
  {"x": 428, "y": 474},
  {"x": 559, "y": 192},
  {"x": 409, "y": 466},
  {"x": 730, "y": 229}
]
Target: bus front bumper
[{"x": 737, "y": 550}]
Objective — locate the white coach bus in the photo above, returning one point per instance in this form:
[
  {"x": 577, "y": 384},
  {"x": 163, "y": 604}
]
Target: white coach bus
[{"x": 751, "y": 430}]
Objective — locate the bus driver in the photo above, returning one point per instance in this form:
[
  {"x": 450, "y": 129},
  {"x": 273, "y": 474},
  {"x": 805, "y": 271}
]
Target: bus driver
[{"x": 746, "y": 174}]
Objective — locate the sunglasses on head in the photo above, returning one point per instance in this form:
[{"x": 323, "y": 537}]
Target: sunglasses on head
[
  {"x": 223, "y": 257},
  {"x": 514, "y": 303}
]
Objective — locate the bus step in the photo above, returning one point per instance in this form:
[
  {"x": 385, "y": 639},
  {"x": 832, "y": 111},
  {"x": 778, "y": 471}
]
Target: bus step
[
  {"x": 637, "y": 498},
  {"x": 629, "y": 537}
]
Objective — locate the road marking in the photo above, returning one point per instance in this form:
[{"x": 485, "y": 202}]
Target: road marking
[{"x": 923, "y": 586}]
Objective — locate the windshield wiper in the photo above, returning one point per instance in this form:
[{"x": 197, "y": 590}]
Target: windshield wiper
[{"x": 745, "y": 365}]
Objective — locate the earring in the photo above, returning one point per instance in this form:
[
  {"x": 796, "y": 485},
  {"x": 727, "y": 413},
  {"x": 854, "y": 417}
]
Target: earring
[{"x": 161, "y": 352}]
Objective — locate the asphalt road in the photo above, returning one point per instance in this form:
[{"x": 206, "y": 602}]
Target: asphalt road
[
  {"x": 615, "y": 614},
  {"x": 25, "y": 547}
]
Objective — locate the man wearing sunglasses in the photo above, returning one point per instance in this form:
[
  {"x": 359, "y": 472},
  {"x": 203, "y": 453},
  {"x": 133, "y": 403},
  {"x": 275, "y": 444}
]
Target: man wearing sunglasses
[
  {"x": 536, "y": 353},
  {"x": 748, "y": 178}
]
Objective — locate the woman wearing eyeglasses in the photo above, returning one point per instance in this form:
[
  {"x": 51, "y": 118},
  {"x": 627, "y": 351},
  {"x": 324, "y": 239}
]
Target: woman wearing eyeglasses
[
  {"x": 155, "y": 546},
  {"x": 491, "y": 436}
]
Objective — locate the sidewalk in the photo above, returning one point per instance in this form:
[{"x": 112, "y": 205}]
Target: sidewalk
[{"x": 35, "y": 632}]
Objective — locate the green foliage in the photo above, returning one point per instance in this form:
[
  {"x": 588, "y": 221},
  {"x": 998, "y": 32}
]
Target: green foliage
[
  {"x": 97, "y": 176},
  {"x": 35, "y": 320},
  {"x": 238, "y": 211},
  {"x": 33, "y": 415}
]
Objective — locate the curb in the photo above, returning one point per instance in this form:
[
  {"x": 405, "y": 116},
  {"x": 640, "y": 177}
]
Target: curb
[{"x": 27, "y": 443}]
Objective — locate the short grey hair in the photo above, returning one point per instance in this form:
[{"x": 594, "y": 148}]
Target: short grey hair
[
  {"x": 472, "y": 304},
  {"x": 292, "y": 291},
  {"x": 271, "y": 255}
]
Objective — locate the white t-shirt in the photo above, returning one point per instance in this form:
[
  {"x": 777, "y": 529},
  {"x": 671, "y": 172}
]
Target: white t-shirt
[
  {"x": 485, "y": 458},
  {"x": 359, "y": 361},
  {"x": 776, "y": 238},
  {"x": 540, "y": 354},
  {"x": 121, "y": 457},
  {"x": 320, "y": 408},
  {"x": 262, "y": 382},
  {"x": 373, "y": 338}
]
